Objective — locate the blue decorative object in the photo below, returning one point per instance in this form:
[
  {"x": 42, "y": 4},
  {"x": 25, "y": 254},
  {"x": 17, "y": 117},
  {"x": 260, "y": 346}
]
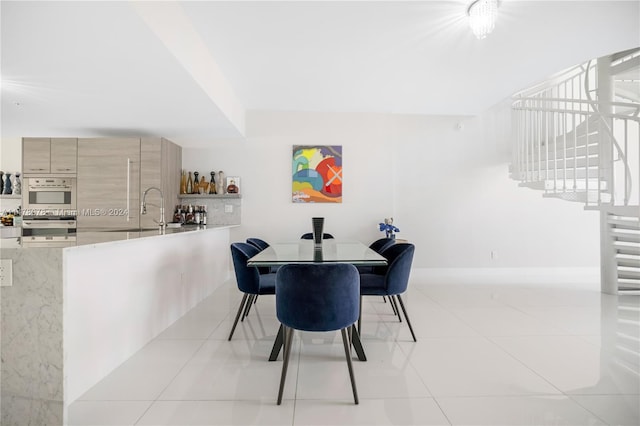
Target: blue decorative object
[
  {"x": 388, "y": 228},
  {"x": 7, "y": 184}
]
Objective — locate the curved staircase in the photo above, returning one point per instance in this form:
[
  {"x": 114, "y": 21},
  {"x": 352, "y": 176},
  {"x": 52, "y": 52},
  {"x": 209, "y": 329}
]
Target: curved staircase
[{"x": 577, "y": 138}]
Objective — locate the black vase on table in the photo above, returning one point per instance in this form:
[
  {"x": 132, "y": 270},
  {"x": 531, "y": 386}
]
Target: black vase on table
[{"x": 318, "y": 225}]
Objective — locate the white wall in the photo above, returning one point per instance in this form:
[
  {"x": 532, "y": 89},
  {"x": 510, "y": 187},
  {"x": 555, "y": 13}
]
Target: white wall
[
  {"x": 10, "y": 154},
  {"x": 447, "y": 188}
]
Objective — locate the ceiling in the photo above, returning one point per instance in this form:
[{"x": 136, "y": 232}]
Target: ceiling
[{"x": 189, "y": 70}]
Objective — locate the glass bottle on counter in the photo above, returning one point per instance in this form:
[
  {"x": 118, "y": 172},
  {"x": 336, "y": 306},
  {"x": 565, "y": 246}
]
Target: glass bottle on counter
[{"x": 204, "y": 215}]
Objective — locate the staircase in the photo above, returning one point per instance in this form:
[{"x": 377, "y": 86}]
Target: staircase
[{"x": 577, "y": 138}]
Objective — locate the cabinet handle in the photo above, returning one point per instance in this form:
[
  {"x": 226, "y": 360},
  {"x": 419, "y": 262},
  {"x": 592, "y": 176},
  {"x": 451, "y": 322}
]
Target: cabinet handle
[
  {"x": 128, "y": 185},
  {"x": 64, "y": 170}
]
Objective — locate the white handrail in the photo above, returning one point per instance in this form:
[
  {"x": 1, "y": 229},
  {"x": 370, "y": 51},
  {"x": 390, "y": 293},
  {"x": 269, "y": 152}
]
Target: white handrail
[{"x": 559, "y": 118}]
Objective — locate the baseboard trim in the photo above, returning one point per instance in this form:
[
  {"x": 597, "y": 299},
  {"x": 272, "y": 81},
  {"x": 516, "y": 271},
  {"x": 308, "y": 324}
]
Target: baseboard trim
[{"x": 574, "y": 277}]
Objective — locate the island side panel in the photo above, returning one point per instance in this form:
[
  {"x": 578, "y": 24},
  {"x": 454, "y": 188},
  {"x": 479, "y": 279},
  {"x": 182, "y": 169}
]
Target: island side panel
[
  {"x": 31, "y": 338},
  {"x": 120, "y": 295}
]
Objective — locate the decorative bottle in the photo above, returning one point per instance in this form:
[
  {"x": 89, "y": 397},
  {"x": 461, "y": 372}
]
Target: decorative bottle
[
  {"x": 232, "y": 188},
  {"x": 1, "y": 183},
  {"x": 7, "y": 184},
  {"x": 221, "y": 188},
  {"x": 194, "y": 189},
  {"x": 189, "y": 185},
  {"x": 17, "y": 186},
  {"x": 183, "y": 182},
  {"x": 212, "y": 184},
  {"x": 204, "y": 186}
]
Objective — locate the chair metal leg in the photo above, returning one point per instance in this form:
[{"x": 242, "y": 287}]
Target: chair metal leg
[
  {"x": 360, "y": 316},
  {"x": 349, "y": 365},
  {"x": 404, "y": 311},
  {"x": 240, "y": 308},
  {"x": 288, "y": 333},
  {"x": 384, "y": 298},
  {"x": 395, "y": 305},
  {"x": 247, "y": 307}
]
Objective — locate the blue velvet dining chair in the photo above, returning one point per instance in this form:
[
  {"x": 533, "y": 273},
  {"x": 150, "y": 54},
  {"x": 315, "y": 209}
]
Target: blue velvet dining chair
[
  {"x": 258, "y": 243},
  {"x": 261, "y": 245},
  {"x": 250, "y": 281},
  {"x": 378, "y": 246},
  {"x": 395, "y": 280},
  {"x": 309, "y": 236},
  {"x": 317, "y": 297}
]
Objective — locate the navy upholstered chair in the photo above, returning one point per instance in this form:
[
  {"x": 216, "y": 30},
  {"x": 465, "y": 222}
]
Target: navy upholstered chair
[
  {"x": 317, "y": 297},
  {"x": 250, "y": 281},
  {"x": 309, "y": 236},
  {"x": 394, "y": 282},
  {"x": 258, "y": 243},
  {"x": 378, "y": 246},
  {"x": 261, "y": 245}
]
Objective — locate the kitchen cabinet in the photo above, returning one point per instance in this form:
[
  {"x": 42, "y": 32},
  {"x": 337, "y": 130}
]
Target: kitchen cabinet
[
  {"x": 113, "y": 173},
  {"x": 43, "y": 156},
  {"x": 161, "y": 162},
  {"x": 108, "y": 183}
]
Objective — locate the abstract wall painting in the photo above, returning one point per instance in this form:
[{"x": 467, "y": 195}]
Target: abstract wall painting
[{"x": 317, "y": 174}]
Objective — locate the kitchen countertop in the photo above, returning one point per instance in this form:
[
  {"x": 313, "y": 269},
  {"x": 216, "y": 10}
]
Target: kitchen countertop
[{"x": 97, "y": 236}]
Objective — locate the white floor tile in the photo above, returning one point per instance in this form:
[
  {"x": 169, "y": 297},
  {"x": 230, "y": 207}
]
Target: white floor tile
[
  {"x": 146, "y": 374},
  {"x": 112, "y": 413},
  {"x": 404, "y": 411},
  {"x": 467, "y": 366},
  {"x": 575, "y": 366},
  {"x": 623, "y": 410},
  {"x": 237, "y": 370},
  {"x": 185, "y": 413},
  {"x": 517, "y": 411},
  {"x": 505, "y": 321}
]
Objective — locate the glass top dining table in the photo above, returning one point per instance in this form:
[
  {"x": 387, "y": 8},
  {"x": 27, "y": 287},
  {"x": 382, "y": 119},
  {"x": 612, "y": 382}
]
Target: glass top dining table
[
  {"x": 305, "y": 251},
  {"x": 329, "y": 251}
]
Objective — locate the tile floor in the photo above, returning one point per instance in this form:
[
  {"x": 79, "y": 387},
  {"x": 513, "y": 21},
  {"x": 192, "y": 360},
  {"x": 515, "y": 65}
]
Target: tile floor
[{"x": 486, "y": 355}]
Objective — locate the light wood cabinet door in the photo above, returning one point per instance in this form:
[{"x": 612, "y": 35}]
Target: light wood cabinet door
[
  {"x": 64, "y": 153},
  {"x": 108, "y": 183},
  {"x": 36, "y": 155},
  {"x": 161, "y": 161}
]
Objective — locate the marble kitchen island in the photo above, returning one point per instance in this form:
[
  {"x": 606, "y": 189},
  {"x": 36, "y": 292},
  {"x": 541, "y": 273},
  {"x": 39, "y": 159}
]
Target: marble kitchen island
[{"x": 74, "y": 314}]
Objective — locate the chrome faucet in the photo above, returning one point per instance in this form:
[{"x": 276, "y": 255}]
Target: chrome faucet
[{"x": 143, "y": 207}]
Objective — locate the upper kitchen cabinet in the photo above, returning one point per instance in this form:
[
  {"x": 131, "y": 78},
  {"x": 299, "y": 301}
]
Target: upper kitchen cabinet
[{"x": 43, "y": 156}]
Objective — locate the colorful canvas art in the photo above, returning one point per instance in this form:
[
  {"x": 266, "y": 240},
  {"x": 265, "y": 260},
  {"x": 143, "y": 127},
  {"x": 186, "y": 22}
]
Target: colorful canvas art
[{"x": 317, "y": 174}]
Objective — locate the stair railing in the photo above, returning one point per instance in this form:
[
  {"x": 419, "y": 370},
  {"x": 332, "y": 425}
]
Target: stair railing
[{"x": 557, "y": 122}]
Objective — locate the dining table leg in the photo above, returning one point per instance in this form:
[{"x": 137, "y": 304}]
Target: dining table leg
[
  {"x": 355, "y": 341},
  {"x": 357, "y": 344},
  {"x": 277, "y": 345}
]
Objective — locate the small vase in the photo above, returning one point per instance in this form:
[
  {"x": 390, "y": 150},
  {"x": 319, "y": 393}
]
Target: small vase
[
  {"x": 17, "y": 186},
  {"x": 221, "y": 188},
  {"x": 212, "y": 184},
  {"x": 1, "y": 183},
  {"x": 7, "y": 184},
  {"x": 194, "y": 189},
  {"x": 318, "y": 225}
]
